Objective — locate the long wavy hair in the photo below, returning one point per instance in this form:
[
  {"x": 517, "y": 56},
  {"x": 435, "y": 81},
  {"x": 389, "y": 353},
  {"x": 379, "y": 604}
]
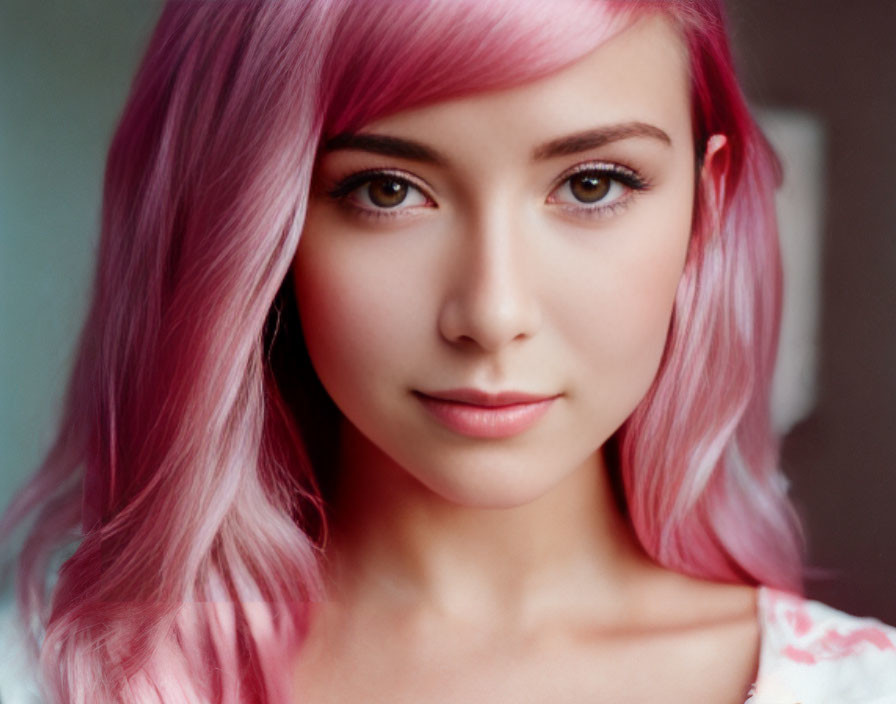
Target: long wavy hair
[{"x": 187, "y": 482}]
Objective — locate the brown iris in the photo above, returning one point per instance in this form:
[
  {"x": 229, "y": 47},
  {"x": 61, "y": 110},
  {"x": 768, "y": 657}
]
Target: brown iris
[
  {"x": 386, "y": 192},
  {"x": 589, "y": 187}
]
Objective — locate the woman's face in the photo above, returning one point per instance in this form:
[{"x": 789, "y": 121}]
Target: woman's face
[{"x": 485, "y": 284}]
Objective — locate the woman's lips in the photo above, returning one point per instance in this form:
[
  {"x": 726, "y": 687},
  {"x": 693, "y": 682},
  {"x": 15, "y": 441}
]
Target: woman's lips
[{"x": 483, "y": 415}]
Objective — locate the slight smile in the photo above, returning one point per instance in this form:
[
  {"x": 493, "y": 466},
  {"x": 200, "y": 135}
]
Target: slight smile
[{"x": 479, "y": 414}]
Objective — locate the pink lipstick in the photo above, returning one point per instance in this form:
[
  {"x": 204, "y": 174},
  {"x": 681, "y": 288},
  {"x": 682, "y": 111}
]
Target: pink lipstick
[{"x": 479, "y": 414}]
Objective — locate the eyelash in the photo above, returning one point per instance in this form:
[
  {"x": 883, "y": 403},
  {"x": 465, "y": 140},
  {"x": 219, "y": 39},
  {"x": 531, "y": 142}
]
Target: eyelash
[
  {"x": 628, "y": 178},
  {"x": 345, "y": 187}
]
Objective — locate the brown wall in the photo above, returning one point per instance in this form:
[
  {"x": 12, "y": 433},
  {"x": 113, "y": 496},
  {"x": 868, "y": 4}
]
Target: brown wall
[{"x": 838, "y": 60}]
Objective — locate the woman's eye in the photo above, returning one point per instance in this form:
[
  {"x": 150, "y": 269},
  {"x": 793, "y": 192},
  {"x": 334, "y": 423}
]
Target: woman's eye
[
  {"x": 379, "y": 192},
  {"x": 386, "y": 192},
  {"x": 594, "y": 190},
  {"x": 590, "y": 188}
]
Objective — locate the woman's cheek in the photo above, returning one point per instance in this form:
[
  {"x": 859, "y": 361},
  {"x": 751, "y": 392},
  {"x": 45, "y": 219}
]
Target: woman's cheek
[{"x": 356, "y": 310}]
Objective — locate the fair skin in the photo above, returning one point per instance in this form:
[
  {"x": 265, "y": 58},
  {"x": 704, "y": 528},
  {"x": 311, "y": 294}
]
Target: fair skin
[{"x": 483, "y": 562}]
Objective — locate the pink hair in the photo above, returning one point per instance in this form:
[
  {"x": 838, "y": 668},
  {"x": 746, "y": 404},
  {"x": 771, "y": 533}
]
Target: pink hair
[{"x": 192, "y": 454}]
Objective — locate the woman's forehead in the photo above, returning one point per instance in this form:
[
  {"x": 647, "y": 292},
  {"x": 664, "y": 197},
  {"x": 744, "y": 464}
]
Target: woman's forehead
[
  {"x": 400, "y": 58},
  {"x": 637, "y": 82}
]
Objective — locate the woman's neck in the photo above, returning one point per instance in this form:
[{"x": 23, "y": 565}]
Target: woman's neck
[{"x": 397, "y": 543}]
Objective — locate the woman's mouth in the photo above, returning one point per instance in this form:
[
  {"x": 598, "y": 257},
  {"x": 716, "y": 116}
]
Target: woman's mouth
[{"x": 480, "y": 414}]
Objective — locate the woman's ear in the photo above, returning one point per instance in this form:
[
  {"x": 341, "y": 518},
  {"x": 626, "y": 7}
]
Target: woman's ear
[
  {"x": 714, "y": 170},
  {"x": 713, "y": 177}
]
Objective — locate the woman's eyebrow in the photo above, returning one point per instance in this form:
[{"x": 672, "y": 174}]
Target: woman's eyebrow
[
  {"x": 598, "y": 137},
  {"x": 383, "y": 144},
  {"x": 562, "y": 146}
]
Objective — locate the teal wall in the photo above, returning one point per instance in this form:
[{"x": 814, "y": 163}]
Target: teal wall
[{"x": 65, "y": 69}]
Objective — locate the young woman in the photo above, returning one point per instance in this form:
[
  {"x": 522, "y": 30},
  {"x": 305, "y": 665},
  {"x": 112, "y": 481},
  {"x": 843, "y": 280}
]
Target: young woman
[{"x": 428, "y": 362}]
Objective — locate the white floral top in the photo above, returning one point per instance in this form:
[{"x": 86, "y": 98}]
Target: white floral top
[
  {"x": 810, "y": 654},
  {"x": 813, "y": 654}
]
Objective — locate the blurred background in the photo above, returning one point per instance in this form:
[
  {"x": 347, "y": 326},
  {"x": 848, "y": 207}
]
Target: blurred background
[
  {"x": 822, "y": 76},
  {"x": 836, "y": 62}
]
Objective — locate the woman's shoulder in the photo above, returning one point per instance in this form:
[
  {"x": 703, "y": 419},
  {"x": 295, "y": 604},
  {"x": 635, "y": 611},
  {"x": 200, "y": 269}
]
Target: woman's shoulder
[
  {"x": 18, "y": 679},
  {"x": 815, "y": 654}
]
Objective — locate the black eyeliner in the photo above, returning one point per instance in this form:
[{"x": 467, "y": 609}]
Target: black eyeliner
[
  {"x": 623, "y": 174},
  {"x": 356, "y": 180}
]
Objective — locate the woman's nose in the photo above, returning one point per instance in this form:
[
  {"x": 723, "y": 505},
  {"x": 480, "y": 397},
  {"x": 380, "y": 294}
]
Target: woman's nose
[{"x": 490, "y": 301}]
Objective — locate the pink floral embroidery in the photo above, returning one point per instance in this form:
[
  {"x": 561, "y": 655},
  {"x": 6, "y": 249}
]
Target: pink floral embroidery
[
  {"x": 799, "y": 619},
  {"x": 847, "y": 644},
  {"x": 834, "y": 645},
  {"x": 793, "y": 610},
  {"x": 814, "y": 653},
  {"x": 797, "y": 655}
]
